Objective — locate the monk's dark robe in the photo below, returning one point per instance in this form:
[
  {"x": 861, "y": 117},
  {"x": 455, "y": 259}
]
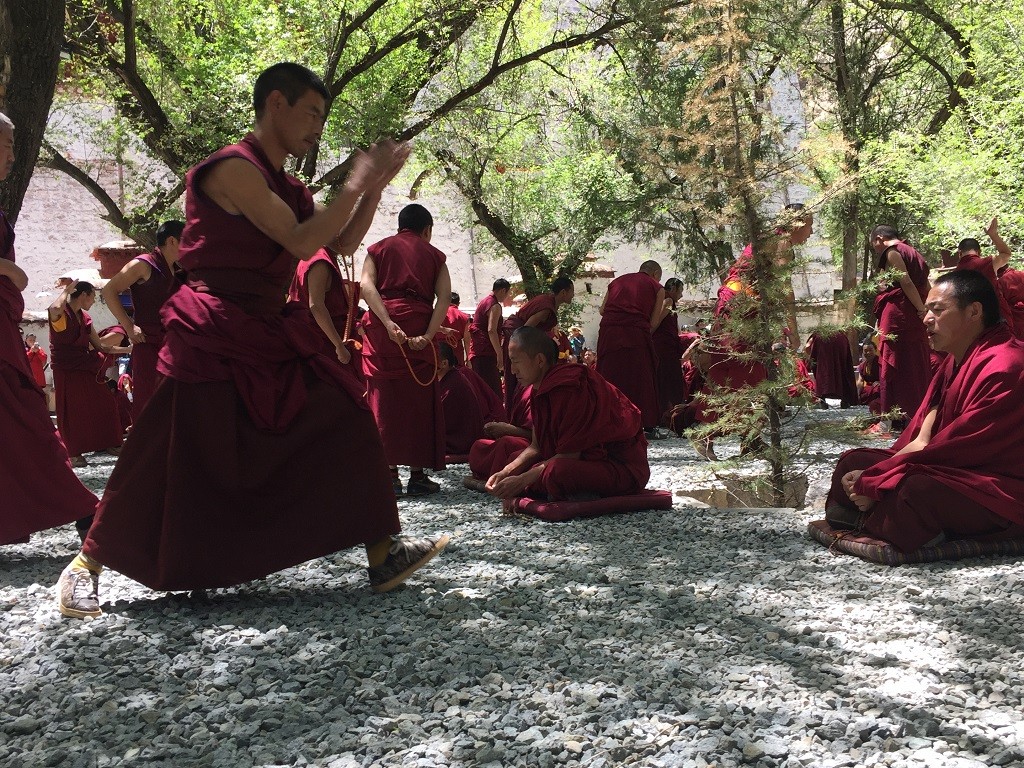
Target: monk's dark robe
[
  {"x": 969, "y": 480},
  {"x": 458, "y": 321},
  {"x": 575, "y": 410},
  {"x": 487, "y": 456},
  {"x": 625, "y": 350},
  {"x": 1011, "y": 284},
  {"x": 905, "y": 370},
  {"x": 147, "y": 298},
  {"x": 257, "y": 451},
  {"x": 545, "y": 302},
  {"x": 86, "y": 408},
  {"x": 482, "y": 357},
  {"x": 336, "y": 302},
  {"x": 668, "y": 351},
  {"x": 832, "y": 365},
  {"x": 39, "y": 487},
  {"x": 116, "y": 335},
  {"x": 406, "y": 403},
  {"x": 870, "y": 394},
  {"x": 468, "y": 404}
]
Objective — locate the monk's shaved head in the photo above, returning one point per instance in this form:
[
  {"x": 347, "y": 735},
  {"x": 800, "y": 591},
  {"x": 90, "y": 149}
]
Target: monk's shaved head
[
  {"x": 651, "y": 268},
  {"x": 969, "y": 286},
  {"x": 6, "y": 124},
  {"x": 533, "y": 342}
]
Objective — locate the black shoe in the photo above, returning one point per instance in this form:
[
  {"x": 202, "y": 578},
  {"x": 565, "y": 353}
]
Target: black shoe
[{"x": 421, "y": 486}]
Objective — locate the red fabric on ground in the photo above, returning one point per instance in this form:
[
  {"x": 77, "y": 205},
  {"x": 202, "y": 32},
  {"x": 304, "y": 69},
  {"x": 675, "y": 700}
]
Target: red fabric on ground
[
  {"x": 832, "y": 364},
  {"x": 625, "y": 350},
  {"x": 468, "y": 404},
  {"x": 409, "y": 415},
  {"x": 40, "y": 490},
  {"x": 905, "y": 370},
  {"x": 254, "y": 454},
  {"x": 86, "y": 409},
  {"x": 545, "y": 302}
]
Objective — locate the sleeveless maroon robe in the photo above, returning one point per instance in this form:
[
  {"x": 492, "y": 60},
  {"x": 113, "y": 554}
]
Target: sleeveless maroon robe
[
  {"x": 256, "y": 452},
  {"x": 541, "y": 303},
  {"x": 147, "y": 298},
  {"x": 482, "y": 357},
  {"x": 86, "y": 408},
  {"x": 409, "y": 415},
  {"x": 40, "y": 490},
  {"x": 336, "y": 301},
  {"x": 576, "y": 411},
  {"x": 468, "y": 404},
  {"x": 905, "y": 369},
  {"x": 832, "y": 364}
]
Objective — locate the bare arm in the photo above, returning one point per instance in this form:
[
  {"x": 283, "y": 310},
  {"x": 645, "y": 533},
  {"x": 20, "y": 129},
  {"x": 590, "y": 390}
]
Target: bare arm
[
  {"x": 1002, "y": 249},
  {"x": 538, "y": 317},
  {"x": 14, "y": 273},
  {"x": 237, "y": 186},
  {"x": 496, "y": 429},
  {"x": 493, "y": 318},
  {"x": 662, "y": 307},
  {"x": 924, "y": 436},
  {"x": 133, "y": 272},
  {"x": 894, "y": 261},
  {"x": 318, "y": 282},
  {"x": 56, "y": 309},
  {"x": 102, "y": 346},
  {"x": 443, "y": 294},
  {"x": 368, "y": 286}
]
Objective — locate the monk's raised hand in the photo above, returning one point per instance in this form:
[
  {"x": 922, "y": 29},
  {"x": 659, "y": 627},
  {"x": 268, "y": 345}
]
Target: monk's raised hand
[
  {"x": 992, "y": 230},
  {"x": 398, "y": 159}
]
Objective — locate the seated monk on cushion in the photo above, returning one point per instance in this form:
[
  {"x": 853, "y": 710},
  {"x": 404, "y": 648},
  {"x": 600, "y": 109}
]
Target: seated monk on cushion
[
  {"x": 955, "y": 472},
  {"x": 587, "y": 438},
  {"x": 467, "y": 401}
]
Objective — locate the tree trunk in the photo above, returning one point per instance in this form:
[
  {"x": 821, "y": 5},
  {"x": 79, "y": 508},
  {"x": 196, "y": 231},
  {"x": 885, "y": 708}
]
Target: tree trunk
[{"x": 30, "y": 38}]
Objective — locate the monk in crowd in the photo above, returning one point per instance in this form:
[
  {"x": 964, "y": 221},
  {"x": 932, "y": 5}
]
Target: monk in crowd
[
  {"x": 32, "y": 447},
  {"x": 587, "y": 440},
  {"x": 455, "y": 329},
  {"x": 486, "y": 355},
  {"x": 831, "y": 362},
  {"x": 539, "y": 312},
  {"x": 632, "y": 309},
  {"x": 406, "y": 285},
  {"x": 669, "y": 347},
  {"x": 256, "y": 452},
  {"x": 467, "y": 401},
  {"x": 955, "y": 472},
  {"x": 151, "y": 278}
]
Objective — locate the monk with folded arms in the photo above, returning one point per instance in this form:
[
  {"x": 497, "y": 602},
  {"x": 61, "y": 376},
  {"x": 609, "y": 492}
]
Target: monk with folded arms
[
  {"x": 955, "y": 472},
  {"x": 257, "y": 451},
  {"x": 587, "y": 439}
]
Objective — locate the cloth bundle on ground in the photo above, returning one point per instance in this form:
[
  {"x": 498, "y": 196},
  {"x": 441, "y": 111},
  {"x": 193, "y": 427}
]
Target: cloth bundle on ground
[
  {"x": 561, "y": 511},
  {"x": 879, "y": 551}
]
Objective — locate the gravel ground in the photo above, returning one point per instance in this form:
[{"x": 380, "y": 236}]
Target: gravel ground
[{"x": 688, "y": 637}]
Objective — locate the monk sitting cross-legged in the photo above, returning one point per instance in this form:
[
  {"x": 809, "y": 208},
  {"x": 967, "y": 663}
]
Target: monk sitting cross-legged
[
  {"x": 587, "y": 438},
  {"x": 955, "y": 472}
]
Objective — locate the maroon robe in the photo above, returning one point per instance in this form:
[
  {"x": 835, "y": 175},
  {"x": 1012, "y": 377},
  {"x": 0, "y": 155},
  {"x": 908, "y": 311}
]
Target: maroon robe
[
  {"x": 408, "y": 414},
  {"x": 870, "y": 393},
  {"x": 468, "y": 404},
  {"x": 668, "y": 350},
  {"x": 576, "y": 411},
  {"x": 832, "y": 364},
  {"x": 905, "y": 370},
  {"x": 545, "y": 302},
  {"x": 336, "y": 302},
  {"x": 482, "y": 356},
  {"x": 256, "y": 452},
  {"x": 488, "y": 456},
  {"x": 40, "y": 490},
  {"x": 625, "y": 351},
  {"x": 804, "y": 384},
  {"x": 458, "y": 321},
  {"x": 124, "y": 405},
  {"x": 974, "y": 452},
  {"x": 1011, "y": 284},
  {"x": 147, "y": 298},
  {"x": 86, "y": 408}
]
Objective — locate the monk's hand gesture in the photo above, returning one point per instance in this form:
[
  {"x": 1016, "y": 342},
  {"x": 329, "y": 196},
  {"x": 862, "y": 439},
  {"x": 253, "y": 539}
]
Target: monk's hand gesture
[
  {"x": 344, "y": 356},
  {"x": 992, "y": 230},
  {"x": 863, "y": 503},
  {"x": 395, "y": 332},
  {"x": 416, "y": 343}
]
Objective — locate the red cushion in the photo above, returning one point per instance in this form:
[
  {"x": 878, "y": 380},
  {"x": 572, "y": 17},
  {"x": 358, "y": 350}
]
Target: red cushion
[{"x": 560, "y": 511}]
